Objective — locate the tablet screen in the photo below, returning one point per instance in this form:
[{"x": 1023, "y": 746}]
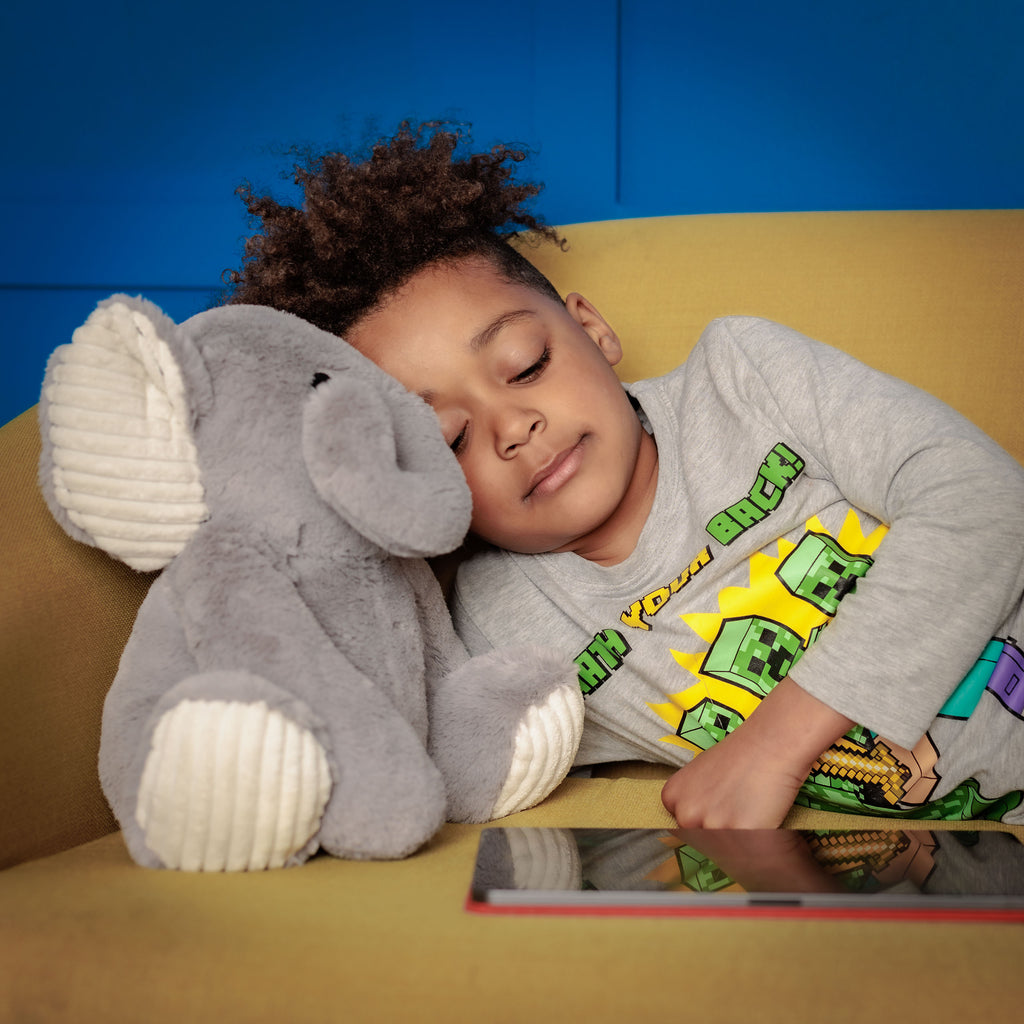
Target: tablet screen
[{"x": 817, "y": 872}]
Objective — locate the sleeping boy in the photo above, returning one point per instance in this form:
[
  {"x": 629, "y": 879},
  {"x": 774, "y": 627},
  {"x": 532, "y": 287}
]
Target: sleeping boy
[{"x": 805, "y": 571}]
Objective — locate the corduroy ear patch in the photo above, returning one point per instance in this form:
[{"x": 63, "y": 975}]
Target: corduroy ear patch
[{"x": 124, "y": 463}]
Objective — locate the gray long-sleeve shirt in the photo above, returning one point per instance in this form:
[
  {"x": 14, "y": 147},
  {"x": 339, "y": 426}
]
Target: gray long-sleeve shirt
[{"x": 813, "y": 518}]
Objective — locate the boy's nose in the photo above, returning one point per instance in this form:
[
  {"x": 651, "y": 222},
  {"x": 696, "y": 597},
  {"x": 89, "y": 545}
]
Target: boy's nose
[{"x": 517, "y": 431}]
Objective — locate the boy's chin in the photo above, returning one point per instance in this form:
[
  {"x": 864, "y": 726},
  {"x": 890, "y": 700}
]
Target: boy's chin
[{"x": 576, "y": 533}]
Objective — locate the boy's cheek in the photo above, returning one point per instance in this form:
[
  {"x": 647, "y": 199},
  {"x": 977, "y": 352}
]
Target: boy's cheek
[{"x": 486, "y": 506}]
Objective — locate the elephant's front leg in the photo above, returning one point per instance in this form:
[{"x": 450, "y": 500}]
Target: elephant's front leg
[
  {"x": 504, "y": 731},
  {"x": 505, "y": 726}
]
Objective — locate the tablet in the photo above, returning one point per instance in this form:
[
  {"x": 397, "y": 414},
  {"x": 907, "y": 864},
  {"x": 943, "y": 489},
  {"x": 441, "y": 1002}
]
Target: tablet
[{"x": 908, "y": 873}]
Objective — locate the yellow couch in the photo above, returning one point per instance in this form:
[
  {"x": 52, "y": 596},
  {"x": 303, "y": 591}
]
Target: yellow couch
[{"x": 936, "y": 297}]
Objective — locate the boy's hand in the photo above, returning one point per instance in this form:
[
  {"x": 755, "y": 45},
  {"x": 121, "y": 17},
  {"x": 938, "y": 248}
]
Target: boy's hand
[
  {"x": 732, "y": 785},
  {"x": 750, "y": 779}
]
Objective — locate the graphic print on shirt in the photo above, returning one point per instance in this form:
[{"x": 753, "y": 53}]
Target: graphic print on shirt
[
  {"x": 754, "y": 640},
  {"x": 606, "y": 651},
  {"x": 780, "y": 468},
  {"x": 761, "y": 631},
  {"x": 1000, "y": 671}
]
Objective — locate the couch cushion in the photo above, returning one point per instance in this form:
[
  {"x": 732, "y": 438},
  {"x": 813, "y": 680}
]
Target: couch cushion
[{"x": 89, "y": 936}]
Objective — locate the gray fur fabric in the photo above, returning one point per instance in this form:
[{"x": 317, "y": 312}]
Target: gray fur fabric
[{"x": 293, "y": 681}]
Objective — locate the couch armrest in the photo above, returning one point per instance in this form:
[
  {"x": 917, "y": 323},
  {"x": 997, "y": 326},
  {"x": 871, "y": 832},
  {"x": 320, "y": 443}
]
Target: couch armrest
[{"x": 65, "y": 614}]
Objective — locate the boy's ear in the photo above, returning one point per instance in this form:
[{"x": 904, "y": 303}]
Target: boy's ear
[{"x": 600, "y": 331}]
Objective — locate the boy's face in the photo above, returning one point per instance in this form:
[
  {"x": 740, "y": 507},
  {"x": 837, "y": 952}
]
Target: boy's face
[{"x": 523, "y": 386}]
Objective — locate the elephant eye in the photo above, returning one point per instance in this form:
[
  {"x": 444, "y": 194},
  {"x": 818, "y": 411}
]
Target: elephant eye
[{"x": 319, "y": 378}]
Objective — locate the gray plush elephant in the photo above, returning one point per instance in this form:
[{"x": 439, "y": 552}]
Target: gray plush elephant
[{"x": 293, "y": 681}]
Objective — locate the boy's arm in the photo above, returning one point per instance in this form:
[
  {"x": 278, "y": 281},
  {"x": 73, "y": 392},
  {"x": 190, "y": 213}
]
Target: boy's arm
[
  {"x": 950, "y": 571},
  {"x": 750, "y": 778}
]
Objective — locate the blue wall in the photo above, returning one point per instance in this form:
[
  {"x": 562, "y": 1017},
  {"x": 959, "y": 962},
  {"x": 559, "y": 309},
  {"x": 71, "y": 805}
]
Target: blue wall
[{"x": 128, "y": 126}]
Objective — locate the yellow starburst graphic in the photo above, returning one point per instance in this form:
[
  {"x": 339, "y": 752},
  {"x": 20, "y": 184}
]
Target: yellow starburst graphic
[{"x": 760, "y": 630}]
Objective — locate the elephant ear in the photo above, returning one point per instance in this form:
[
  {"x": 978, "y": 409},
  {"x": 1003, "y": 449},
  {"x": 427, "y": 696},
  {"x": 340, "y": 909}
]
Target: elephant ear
[
  {"x": 119, "y": 467},
  {"x": 375, "y": 454}
]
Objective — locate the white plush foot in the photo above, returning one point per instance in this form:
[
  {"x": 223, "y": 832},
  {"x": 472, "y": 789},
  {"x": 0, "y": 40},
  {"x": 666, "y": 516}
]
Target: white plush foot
[
  {"x": 231, "y": 786},
  {"x": 545, "y": 746}
]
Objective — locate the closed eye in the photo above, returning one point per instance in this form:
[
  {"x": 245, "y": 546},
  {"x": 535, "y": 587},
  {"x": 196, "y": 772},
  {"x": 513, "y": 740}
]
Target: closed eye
[
  {"x": 459, "y": 443},
  {"x": 533, "y": 372}
]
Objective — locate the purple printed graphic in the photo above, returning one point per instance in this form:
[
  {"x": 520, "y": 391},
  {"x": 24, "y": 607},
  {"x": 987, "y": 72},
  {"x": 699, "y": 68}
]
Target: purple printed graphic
[{"x": 1007, "y": 682}]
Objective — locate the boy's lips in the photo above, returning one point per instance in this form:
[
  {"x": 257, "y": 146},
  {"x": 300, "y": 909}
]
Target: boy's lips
[{"x": 557, "y": 471}]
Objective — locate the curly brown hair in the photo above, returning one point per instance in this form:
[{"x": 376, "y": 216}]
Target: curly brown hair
[{"x": 367, "y": 225}]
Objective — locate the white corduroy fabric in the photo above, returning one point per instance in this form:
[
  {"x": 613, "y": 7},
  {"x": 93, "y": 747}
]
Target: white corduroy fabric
[
  {"x": 124, "y": 463},
  {"x": 231, "y": 786}
]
